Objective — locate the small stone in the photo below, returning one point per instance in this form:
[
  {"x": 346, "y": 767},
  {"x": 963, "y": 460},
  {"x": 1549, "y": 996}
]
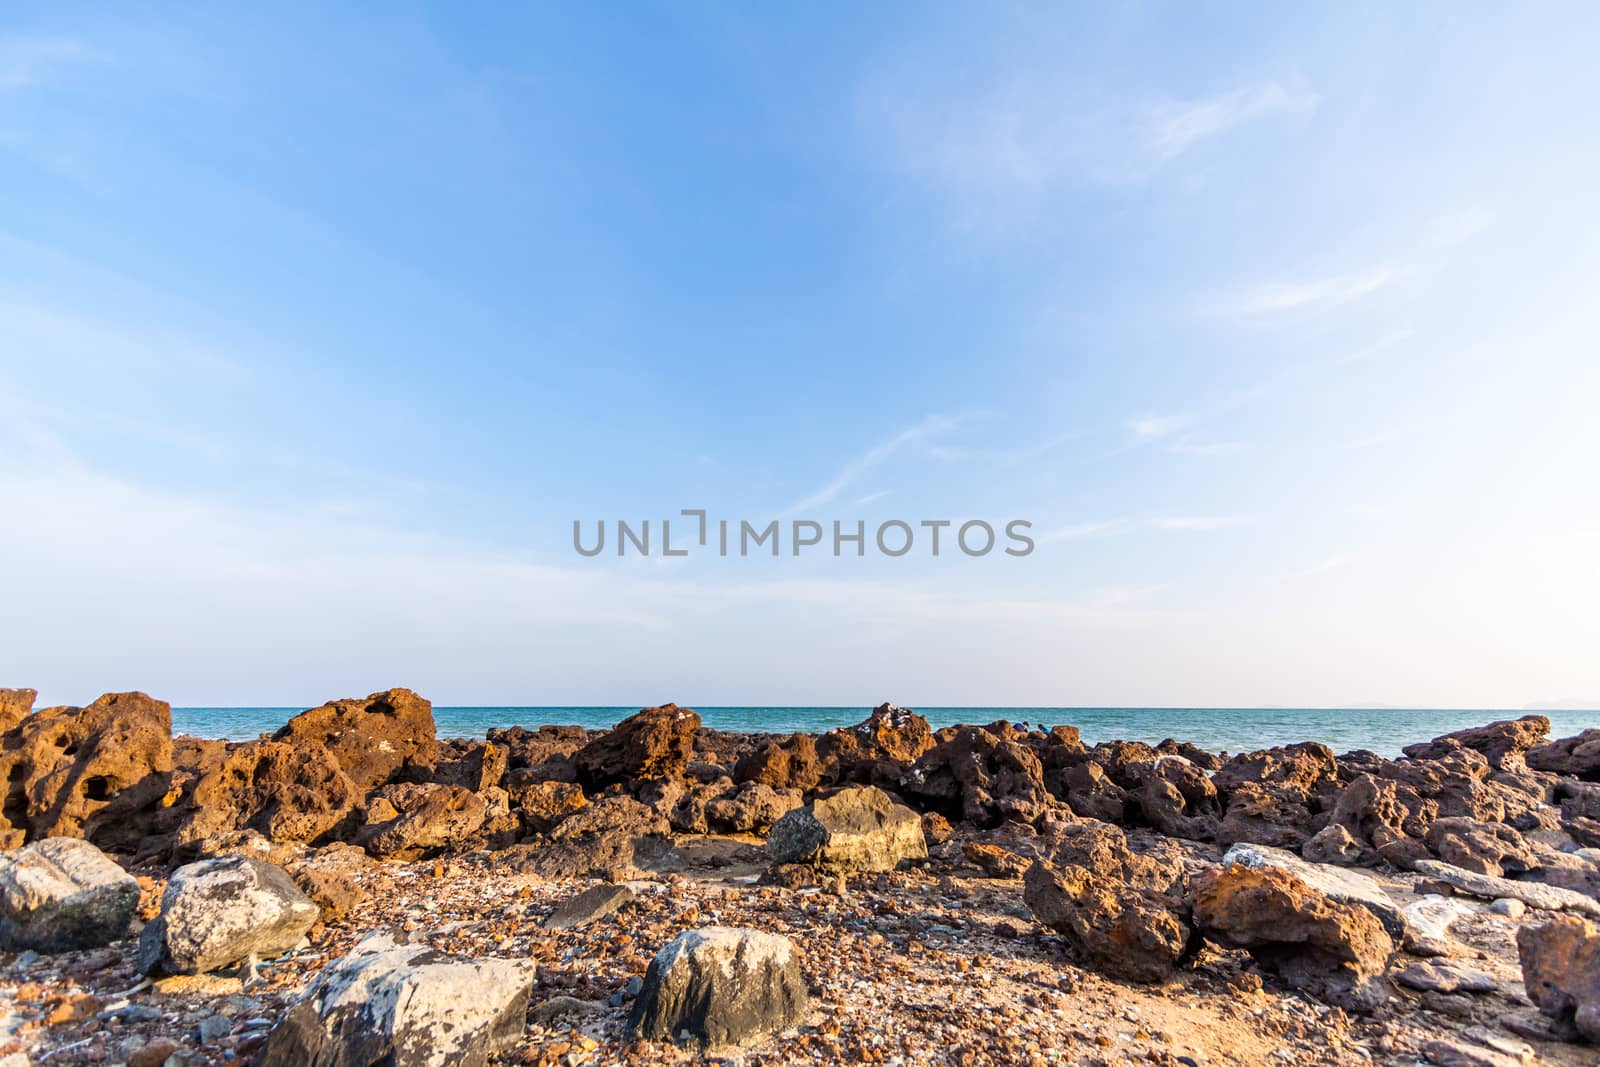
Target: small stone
[
  {"x": 154, "y": 1054},
  {"x": 588, "y": 906},
  {"x": 1510, "y": 908},
  {"x": 214, "y": 1028}
]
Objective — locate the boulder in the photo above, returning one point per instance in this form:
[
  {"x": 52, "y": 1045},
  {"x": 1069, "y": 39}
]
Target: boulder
[
  {"x": 474, "y": 765},
  {"x": 720, "y": 986},
  {"x": 1156, "y": 867},
  {"x": 1485, "y": 848},
  {"x": 1110, "y": 924},
  {"x": 1091, "y": 793},
  {"x": 1561, "y": 972},
  {"x": 412, "y": 821},
  {"x": 1428, "y": 923},
  {"x": 389, "y": 1004},
  {"x": 1178, "y": 798},
  {"x": 1504, "y": 744},
  {"x": 751, "y": 808},
  {"x": 654, "y": 743},
  {"x": 1546, "y": 897},
  {"x": 91, "y": 772},
  {"x": 892, "y": 736},
  {"x": 1332, "y": 844},
  {"x": 1268, "y": 794},
  {"x": 541, "y": 803},
  {"x": 858, "y": 828},
  {"x": 792, "y": 763},
  {"x": 15, "y": 705},
  {"x": 285, "y": 792},
  {"x": 593, "y": 903},
  {"x": 1316, "y": 944},
  {"x": 1339, "y": 885},
  {"x": 1578, "y": 756},
  {"x": 982, "y": 775},
  {"x": 217, "y": 913},
  {"x": 61, "y": 895},
  {"x": 385, "y": 738}
]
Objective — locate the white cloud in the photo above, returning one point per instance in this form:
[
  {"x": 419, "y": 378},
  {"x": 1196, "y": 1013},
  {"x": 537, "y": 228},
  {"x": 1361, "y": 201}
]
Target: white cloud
[
  {"x": 1175, "y": 126},
  {"x": 1155, "y": 427},
  {"x": 1279, "y": 297},
  {"x": 930, "y": 426}
]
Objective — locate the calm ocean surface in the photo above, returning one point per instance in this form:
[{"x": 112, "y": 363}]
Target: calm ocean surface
[{"x": 1384, "y": 730}]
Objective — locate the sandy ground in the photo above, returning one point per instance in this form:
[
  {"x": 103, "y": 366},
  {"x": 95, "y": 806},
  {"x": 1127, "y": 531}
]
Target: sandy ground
[{"x": 933, "y": 965}]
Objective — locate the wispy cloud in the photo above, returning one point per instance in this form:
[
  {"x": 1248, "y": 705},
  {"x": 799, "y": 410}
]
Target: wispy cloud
[
  {"x": 1156, "y": 427},
  {"x": 28, "y": 60},
  {"x": 870, "y": 497},
  {"x": 1283, "y": 296},
  {"x": 1103, "y": 527},
  {"x": 930, "y": 426},
  {"x": 1175, "y": 126},
  {"x": 1189, "y": 447}
]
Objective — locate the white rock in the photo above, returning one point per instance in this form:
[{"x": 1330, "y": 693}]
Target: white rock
[
  {"x": 62, "y": 894},
  {"x": 220, "y": 912}
]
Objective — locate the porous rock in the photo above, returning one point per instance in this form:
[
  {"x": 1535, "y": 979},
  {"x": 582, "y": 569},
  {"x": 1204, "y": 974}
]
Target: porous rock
[{"x": 720, "y": 986}]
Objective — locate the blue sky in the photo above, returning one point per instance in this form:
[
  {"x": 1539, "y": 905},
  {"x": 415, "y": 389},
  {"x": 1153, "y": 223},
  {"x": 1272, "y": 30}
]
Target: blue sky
[{"x": 319, "y": 327}]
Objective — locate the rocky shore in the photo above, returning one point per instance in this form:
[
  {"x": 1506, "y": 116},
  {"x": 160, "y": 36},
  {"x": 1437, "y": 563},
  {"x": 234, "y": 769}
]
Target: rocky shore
[{"x": 353, "y": 890}]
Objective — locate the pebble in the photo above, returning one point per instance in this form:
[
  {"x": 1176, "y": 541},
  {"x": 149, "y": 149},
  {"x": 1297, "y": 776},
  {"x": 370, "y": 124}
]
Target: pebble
[{"x": 1511, "y": 909}]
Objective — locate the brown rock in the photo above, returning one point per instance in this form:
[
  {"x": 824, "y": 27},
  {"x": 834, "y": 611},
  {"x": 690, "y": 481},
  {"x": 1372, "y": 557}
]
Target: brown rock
[
  {"x": 286, "y": 792},
  {"x": 936, "y": 828},
  {"x": 1578, "y": 756},
  {"x": 792, "y": 763},
  {"x": 1332, "y": 844},
  {"x": 1504, "y": 744},
  {"x": 1090, "y": 792},
  {"x": 155, "y": 1053},
  {"x": 751, "y": 808},
  {"x": 890, "y": 735},
  {"x": 654, "y": 743},
  {"x": 332, "y": 890},
  {"x": 385, "y": 738},
  {"x": 1115, "y": 928},
  {"x": 543, "y": 804},
  {"x": 980, "y": 775},
  {"x": 15, "y": 705},
  {"x": 994, "y": 861},
  {"x": 1178, "y": 798},
  {"x": 411, "y": 821},
  {"x": 474, "y": 765},
  {"x": 1485, "y": 848},
  {"x": 1561, "y": 972},
  {"x": 1336, "y": 951},
  {"x": 93, "y": 772}
]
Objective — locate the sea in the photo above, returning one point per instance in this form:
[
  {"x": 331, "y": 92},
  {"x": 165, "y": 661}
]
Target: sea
[{"x": 1382, "y": 730}]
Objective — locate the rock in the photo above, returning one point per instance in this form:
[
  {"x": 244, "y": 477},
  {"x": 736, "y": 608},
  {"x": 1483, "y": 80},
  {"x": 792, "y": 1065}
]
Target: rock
[
  {"x": 720, "y": 986},
  {"x": 1454, "y": 1054},
  {"x": 751, "y": 808},
  {"x": 1578, "y": 756},
  {"x": 217, "y": 913},
  {"x": 385, "y": 738},
  {"x": 1445, "y": 978},
  {"x": 1334, "y": 950},
  {"x": 542, "y": 803},
  {"x": 936, "y": 829},
  {"x": 1091, "y": 793},
  {"x": 412, "y": 822},
  {"x": 1428, "y": 924},
  {"x": 855, "y": 829},
  {"x": 1112, "y": 925},
  {"x": 993, "y": 860},
  {"x": 473, "y": 765},
  {"x": 1546, "y": 897},
  {"x": 1157, "y": 868},
  {"x": 654, "y": 743},
  {"x": 61, "y": 895},
  {"x": 1561, "y": 972},
  {"x": 89, "y": 772},
  {"x": 792, "y": 763},
  {"x": 403, "y": 1005},
  {"x": 612, "y": 854},
  {"x": 890, "y": 735},
  {"x": 287, "y": 792},
  {"x": 982, "y": 775},
  {"x": 154, "y": 1054},
  {"x": 1511, "y": 909},
  {"x": 334, "y": 892},
  {"x": 15, "y": 705},
  {"x": 213, "y": 1028},
  {"x": 1485, "y": 848},
  {"x": 1343, "y": 886},
  {"x": 584, "y": 908},
  {"x": 1332, "y": 844},
  {"x": 1178, "y": 798},
  {"x": 1504, "y": 744}
]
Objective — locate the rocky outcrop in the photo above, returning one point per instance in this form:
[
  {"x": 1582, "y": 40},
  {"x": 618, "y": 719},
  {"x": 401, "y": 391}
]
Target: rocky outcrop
[
  {"x": 286, "y": 792},
  {"x": 1561, "y": 972},
  {"x": 15, "y": 705},
  {"x": 474, "y": 765},
  {"x": 220, "y": 912},
  {"x": 1178, "y": 798},
  {"x": 91, "y": 772},
  {"x": 981, "y": 775},
  {"x": 387, "y": 737},
  {"x": 751, "y": 808},
  {"x": 412, "y": 821},
  {"x": 718, "y": 987},
  {"x": 62, "y": 895},
  {"x": 542, "y": 804},
  {"x": 858, "y": 829},
  {"x": 1341, "y": 886},
  {"x": 403, "y": 1005},
  {"x": 1113, "y": 925},
  {"x": 1485, "y": 848},
  {"x": 1578, "y": 756},
  {"x": 1090, "y": 792},
  {"x": 1271, "y": 796},
  {"x": 1334, "y": 951},
  {"x": 791, "y": 763},
  {"x": 1504, "y": 744},
  {"x": 654, "y": 743},
  {"x": 877, "y": 749}
]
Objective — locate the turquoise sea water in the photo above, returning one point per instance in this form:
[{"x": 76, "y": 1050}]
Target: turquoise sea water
[{"x": 1383, "y": 730}]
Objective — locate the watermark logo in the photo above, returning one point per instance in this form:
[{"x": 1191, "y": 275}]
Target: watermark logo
[{"x": 696, "y": 532}]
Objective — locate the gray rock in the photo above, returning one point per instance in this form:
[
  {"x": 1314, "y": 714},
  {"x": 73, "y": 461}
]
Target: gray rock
[
  {"x": 1336, "y": 883},
  {"x": 403, "y": 1005},
  {"x": 214, "y": 1028},
  {"x": 591, "y": 904},
  {"x": 62, "y": 894},
  {"x": 1545, "y": 897},
  {"x": 1428, "y": 926},
  {"x": 1511, "y": 909},
  {"x": 857, "y": 829},
  {"x": 720, "y": 986},
  {"x": 220, "y": 912},
  {"x": 1445, "y": 978}
]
